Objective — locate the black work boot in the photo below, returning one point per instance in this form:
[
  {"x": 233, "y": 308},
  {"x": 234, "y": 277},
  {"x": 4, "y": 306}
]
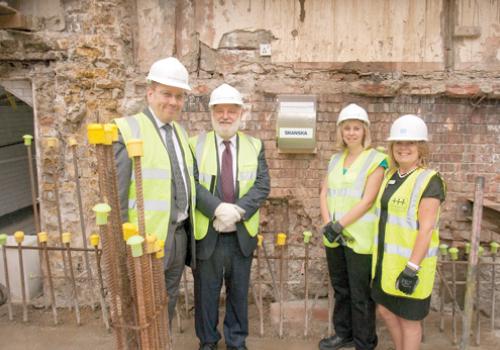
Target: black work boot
[{"x": 335, "y": 342}]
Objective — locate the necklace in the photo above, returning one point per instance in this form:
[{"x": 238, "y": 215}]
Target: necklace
[{"x": 407, "y": 173}]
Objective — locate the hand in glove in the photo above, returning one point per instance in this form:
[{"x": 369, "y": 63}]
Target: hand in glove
[
  {"x": 227, "y": 223},
  {"x": 333, "y": 231},
  {"x": 407, "y": 280},
  {"x": 227, "y": 213}
]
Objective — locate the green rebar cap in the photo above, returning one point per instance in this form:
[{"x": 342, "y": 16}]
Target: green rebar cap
[
  {"x": 443, "y": 248},
  {"x": 135, "y": 243},
  {"x": 481, "y": 251},
  {"x": 27, "y": 139},
  {"x": 101, "y": 213},
  {"x": 3, "y": 239},
  {"x": 494, "y": 247},
  {"x": 467, "y": 248},
  {"x": 453, "y": 253},
  {"x": 307, "y": 236}
]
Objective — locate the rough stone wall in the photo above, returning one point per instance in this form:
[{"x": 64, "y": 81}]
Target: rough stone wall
[{"x": 92, "y": 68}]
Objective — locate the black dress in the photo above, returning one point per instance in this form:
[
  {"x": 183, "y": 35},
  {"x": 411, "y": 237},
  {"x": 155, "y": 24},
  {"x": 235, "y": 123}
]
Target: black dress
[{"x": 407, "y": 308}]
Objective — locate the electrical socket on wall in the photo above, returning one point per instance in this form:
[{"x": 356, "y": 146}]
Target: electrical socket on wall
[{"x": 265, "y": 49}]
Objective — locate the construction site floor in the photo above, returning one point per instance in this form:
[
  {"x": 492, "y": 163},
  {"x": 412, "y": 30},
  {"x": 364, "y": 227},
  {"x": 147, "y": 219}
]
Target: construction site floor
[{"x": 39, "y": 333}]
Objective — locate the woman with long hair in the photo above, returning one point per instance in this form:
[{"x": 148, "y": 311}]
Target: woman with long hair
[{"x": 346, "y": 200}]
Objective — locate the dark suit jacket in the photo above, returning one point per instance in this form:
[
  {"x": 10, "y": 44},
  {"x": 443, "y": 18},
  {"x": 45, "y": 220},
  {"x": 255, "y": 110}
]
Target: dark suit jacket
[
  {"x": 124, "y": 172},
  {"x": 207, "y": 202}
]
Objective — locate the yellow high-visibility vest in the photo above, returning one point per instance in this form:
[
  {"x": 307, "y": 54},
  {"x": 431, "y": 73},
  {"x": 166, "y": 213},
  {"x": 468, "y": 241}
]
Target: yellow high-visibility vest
[
  {"x": 346, "y": 190},
  {"x": 156, "y": 173},
  {"x": 205, "y": 149},
  {"x": 401, "y": 231}
]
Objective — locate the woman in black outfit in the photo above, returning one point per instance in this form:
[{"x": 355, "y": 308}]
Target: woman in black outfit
[{"x": 405, "y": 256}]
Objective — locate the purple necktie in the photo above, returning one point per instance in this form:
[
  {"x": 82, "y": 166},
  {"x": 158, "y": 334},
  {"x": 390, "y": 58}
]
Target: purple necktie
[{"x": 227, "y": 182}]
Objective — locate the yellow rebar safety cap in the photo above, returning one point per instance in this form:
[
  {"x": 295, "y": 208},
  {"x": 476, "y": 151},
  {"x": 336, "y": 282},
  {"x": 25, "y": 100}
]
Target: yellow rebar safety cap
[
  {"x": 66, "y": 237},
  {"x": 95, "y": 134},
  {"x": 72, "y": 141},
  {"x": 128, "y": 230},
  {"x": 108, "y": 134},
  {"x": 94, "y": 239},
  {"x": 307, "y": 236},
  {"x": 453, "y": 253},
  {"x": 51, "y": 142},
  {"x": 134, "y": 148},
  {"x": 135, "y": 243},
  {"x": 43, "y": 237},
  {"x": 281, "y": 239},
  {"x": 19, "y": 236},
  {"x": 27, "y": 139},
  {"x": 101, "y": 213},
  {"x": 160, "y": 246}
]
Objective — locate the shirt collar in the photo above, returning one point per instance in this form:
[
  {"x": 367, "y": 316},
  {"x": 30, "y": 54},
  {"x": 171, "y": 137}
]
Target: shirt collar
[
  {"x": 158, "y": 122},
  {"x": 220, "y": 140}
]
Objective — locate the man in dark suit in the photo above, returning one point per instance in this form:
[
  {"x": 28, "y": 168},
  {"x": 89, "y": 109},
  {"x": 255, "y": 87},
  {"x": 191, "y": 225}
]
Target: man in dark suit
[
  {"x": 233, "y": 168},
  {"x": 168, "y": 170}
]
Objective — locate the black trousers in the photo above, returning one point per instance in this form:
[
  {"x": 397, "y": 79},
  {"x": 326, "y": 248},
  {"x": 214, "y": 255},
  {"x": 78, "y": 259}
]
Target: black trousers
[
  {"x": 226, "y": 263},
  {"x": 354, "y": 310}
]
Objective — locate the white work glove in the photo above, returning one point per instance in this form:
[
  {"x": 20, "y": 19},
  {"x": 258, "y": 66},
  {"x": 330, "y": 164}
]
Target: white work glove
[{"x": 226, "y": 217}]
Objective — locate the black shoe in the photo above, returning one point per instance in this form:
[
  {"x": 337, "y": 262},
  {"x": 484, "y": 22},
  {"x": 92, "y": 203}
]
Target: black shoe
[
  {"x": 208, "y": 346},
  {"x": 335, "y": 342},
  {"x": 237, "y": 348}
]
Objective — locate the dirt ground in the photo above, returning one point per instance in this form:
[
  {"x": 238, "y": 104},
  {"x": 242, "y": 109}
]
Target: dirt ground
[{"x": 40, "y": 333}]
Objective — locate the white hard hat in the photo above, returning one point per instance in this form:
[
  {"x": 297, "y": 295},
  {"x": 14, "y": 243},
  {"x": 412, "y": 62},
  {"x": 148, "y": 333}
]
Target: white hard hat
[
  {"x": 225, "y": 94},
  {"x": 353, "y": 111},
  {"x": 169, "y": 71},
  {"x": 408, "y": 127}
]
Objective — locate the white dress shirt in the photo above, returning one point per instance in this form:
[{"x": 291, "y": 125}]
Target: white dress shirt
[
  {"x": 221, "y": 147},
  {"x": 181, "y": 215}
]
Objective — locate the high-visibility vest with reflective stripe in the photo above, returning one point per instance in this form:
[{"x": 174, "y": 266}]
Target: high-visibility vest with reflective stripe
[
  {"x": 156, "y": 173},
  {"x": 401, "y": 231},
  {"x": 345, "y": 191},
  {"x": 205, "y": 149}
]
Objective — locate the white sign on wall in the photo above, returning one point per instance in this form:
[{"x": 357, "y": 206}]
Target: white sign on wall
[{"x": 296, "y": 133}]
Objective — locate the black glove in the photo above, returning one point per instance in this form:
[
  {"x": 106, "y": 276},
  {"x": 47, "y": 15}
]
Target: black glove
[
  {"x": 333, "y": 231},
  {"x": 407, "y": 280}
]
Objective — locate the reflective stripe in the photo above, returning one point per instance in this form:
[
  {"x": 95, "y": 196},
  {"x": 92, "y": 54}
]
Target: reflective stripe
[
  {"x": 334, "y": 161},
  {"x": 247, "y": 175},
  {"x": 158, "y": 205},
  {"x": 412, "y": 209},
  {"x": 200, "y": 143},
  {"x": 406, "y": 222},
  {"x": 345, "y": 192},
  {"x": 360, "y": 181},
  {"x": 184, "y": 133},
  {"x": 406, "y": 252},
  {"x": 154, "y": 174},
  {"x": 368, "y": 217},
  {"x": 135, "y": 129},
  {"x": 357, "y": 188},
  {"x": 205, "y": 178}
]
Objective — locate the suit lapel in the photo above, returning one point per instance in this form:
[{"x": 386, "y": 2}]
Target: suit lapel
[{"x": 148, "y": 113}]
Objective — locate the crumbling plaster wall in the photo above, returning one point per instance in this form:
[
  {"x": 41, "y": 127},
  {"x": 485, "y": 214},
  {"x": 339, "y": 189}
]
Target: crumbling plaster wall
[{"x": 96, "y": 66}]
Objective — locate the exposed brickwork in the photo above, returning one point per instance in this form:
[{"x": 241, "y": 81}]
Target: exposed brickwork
[{"x": 92, "y": 67}]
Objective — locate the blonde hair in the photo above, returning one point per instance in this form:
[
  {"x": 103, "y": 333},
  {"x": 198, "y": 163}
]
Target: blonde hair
[
  {"x": 367, "y": 137},
  {"x": 423, "y": 154}
]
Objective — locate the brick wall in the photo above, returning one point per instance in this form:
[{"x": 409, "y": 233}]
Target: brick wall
[{"x": 89, "y": 68}]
